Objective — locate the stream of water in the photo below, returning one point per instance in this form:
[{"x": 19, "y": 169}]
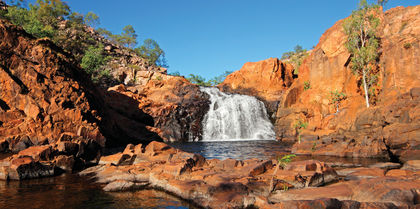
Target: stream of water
[{"x": 234, "y": 117}]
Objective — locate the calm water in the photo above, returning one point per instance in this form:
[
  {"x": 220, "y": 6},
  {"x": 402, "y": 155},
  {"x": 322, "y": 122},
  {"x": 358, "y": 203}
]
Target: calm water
[
  {"x": 72, "y": 191},
  {"x": 262, "y": 149}
]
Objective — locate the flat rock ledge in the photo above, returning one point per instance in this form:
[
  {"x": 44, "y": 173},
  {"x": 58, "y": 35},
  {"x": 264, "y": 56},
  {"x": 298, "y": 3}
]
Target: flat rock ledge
[{"x": 250, "y": 183}]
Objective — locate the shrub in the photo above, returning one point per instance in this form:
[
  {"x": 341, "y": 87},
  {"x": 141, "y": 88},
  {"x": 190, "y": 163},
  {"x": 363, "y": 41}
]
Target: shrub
[
  {"x": 93, "y": 62},
  {"x": 295, "y": 57},
  {"x": 299, "y": 126},
  {"x": 407, "y": 45},
  {"x": 336, "y": 98},
  {"x": 306, "y": 85},
  {"x": 281, "y": 162}
]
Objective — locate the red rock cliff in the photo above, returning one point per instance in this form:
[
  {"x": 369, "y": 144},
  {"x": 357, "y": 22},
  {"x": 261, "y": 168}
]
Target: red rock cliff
[
  {"x": 266, "y": 80},
  {"x": 327, "y": 69},
  {"x": 46, "y": 99}
]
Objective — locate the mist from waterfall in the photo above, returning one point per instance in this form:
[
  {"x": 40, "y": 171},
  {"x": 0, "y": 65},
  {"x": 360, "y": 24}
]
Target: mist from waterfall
[{"x": 234, "y": 117}]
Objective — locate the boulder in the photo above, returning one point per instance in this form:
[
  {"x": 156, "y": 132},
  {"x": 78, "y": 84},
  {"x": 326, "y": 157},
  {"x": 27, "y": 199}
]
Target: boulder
[
  {"x": 25, "y": 168},
  {"x": 37, "y": 152},
  {"x": 400, "y": 192}
]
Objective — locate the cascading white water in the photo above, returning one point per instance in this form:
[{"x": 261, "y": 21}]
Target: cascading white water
[{"x": 234, "y": 117}]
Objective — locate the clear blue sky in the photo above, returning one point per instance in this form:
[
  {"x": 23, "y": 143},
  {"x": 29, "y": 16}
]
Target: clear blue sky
[{"x": 208, "y": 37}]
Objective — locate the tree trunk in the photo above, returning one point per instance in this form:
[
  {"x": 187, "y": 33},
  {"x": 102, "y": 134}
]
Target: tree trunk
[{"x": 365, "y": 87}]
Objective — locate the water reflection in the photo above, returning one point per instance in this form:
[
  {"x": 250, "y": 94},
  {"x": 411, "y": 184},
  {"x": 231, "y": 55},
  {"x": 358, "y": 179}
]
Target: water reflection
[
  {"x": 242, "y": 150},
  {"x": 72, "y": 191}
]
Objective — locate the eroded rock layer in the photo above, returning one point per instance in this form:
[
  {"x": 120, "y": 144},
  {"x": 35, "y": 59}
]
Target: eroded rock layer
[{"x": 212, "y": 183}]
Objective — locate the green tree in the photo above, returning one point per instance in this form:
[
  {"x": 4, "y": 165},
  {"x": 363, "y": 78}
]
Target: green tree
[
  {"x": 219, "y": 79},
  {"x": 362, "y": 43},
  {"x": 382, "y": 2},
  {"x": 295, "y": 57},
  {"x": 128, "y": 37},
  {"x": 41, "y": 19},
  {"x": 92, "y": 20},
  {"x": 197, "y": 79},
  {"x": 151, "y": 51},
  {"x": 93, "y": 62}
]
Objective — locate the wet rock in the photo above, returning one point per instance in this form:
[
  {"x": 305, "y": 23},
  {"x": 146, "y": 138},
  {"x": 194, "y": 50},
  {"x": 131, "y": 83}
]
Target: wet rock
[
  {"x": 343, "y": 165},
  {"x": 25, "y": 168},
  {"x": 65, "y": 163},
  {"x": 121, "y": 185}
]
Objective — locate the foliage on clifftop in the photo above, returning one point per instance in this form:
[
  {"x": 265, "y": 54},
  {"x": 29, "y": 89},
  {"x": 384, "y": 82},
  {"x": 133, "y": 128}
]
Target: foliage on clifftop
[
  {"x": 295, "y": 57},
  {"x": 75, "y": 32}
]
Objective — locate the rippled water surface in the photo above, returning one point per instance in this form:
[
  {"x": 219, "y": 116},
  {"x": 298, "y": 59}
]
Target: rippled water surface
[
  {"x": 241, "y": 150},
  {"x": 264, "y": 149}
]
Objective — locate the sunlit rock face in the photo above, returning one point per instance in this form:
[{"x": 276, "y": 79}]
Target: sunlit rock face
[
  {"x": 47, "y": 100},
  {"x": 390, "y": 124},
  {"x": 266, "y": 80}
]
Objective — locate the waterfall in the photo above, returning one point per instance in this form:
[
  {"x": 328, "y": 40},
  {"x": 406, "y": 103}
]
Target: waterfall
[{"x": 234, "y": 117}]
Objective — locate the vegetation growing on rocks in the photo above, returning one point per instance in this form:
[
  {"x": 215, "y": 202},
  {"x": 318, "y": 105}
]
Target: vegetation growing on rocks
[
  {"x": 94, "y": 63},
  {"x": 201, "y": 81},
  {"x": 299, "y": 126},
  {"x": 336, "y": 97},
  {"x": 295, "y": 57},
  {"x": 72, "y": 31},
  {"x": 363, "y": 43}
]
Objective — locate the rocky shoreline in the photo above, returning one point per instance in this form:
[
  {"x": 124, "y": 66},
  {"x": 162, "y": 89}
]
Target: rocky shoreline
[
  {"x": 212, "y": 183},
  {"x": 54, "y": 119}
]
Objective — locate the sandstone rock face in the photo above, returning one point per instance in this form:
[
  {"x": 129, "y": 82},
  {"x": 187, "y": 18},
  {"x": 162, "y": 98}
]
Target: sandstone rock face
[
  {"x": 389, "y": 129},
  {"x": 42, "y": 94},
  {"x": 46, "y": 99},
  {"x": 266, "y": 80},
  {"x": 176, "y": 106}
]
